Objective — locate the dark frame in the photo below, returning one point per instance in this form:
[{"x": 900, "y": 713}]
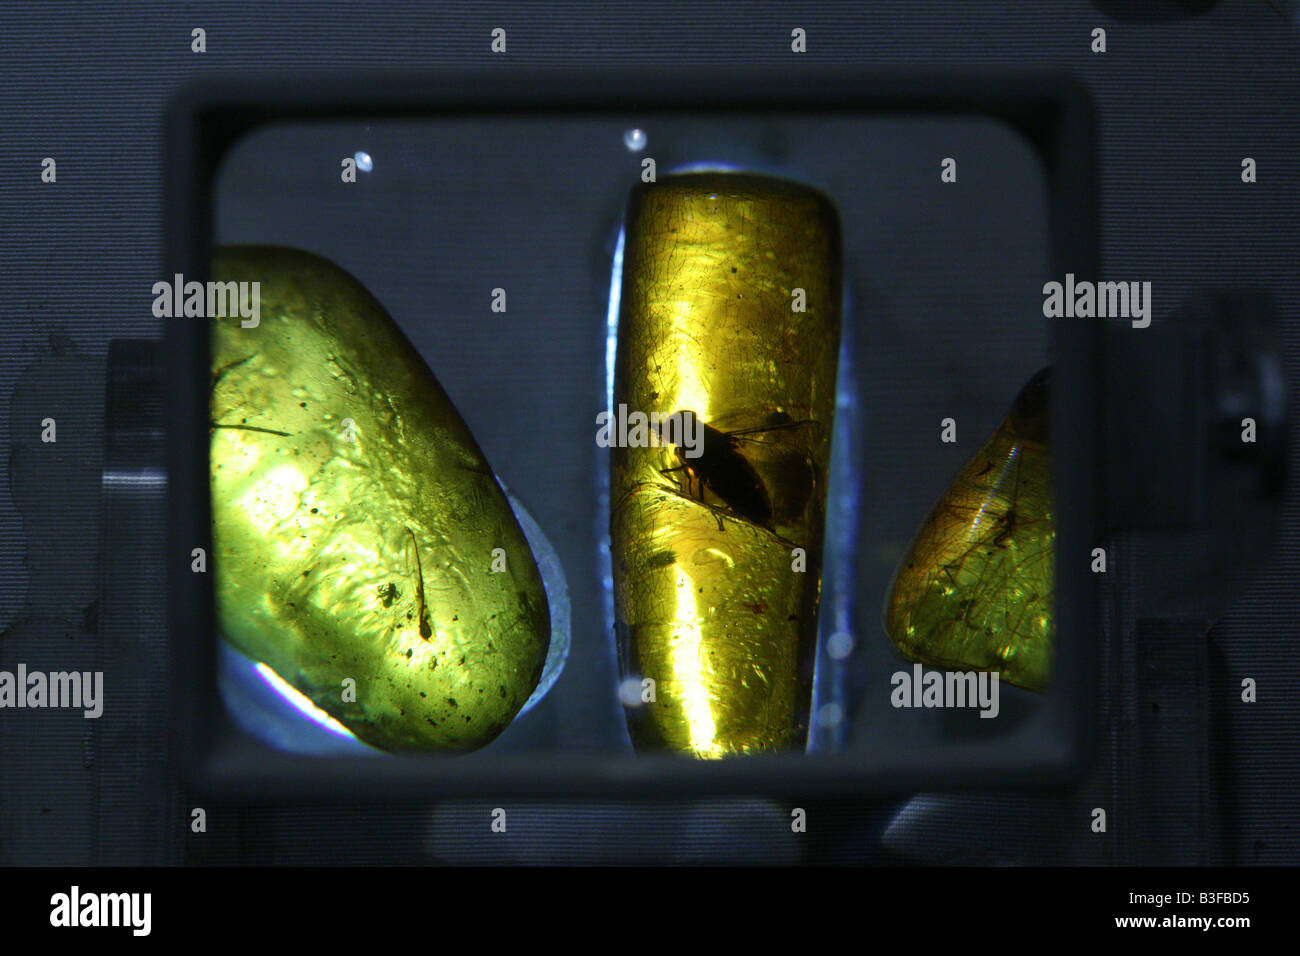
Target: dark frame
[{"x": 1053, "y": 111}]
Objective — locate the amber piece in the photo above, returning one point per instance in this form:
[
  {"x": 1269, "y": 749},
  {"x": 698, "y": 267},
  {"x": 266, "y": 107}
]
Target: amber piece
[
  {"x": 363, "y": 548},
  {"x": 730, "y": 308},
  {"x": 975, "y": 592}
]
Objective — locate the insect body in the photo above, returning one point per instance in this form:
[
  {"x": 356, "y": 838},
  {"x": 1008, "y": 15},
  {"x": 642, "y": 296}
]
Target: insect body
[{"x": 722, "y": 468}]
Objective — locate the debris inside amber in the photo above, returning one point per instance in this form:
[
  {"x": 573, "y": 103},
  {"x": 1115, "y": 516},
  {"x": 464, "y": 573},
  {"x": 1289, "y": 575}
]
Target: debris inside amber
[
  {"x": 975, "y": 592},
  {"x": 730, "y": 309},
  {"x": 364, "y": 551}
]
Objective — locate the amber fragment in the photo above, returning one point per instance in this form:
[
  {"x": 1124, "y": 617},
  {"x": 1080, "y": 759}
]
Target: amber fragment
[
  {"x": 975, "y": 592},
  {"x": 364, "y": 550},
  {"x": 730, "y": 309}
]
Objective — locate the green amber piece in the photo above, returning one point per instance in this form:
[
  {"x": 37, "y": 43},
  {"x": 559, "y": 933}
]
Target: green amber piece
[
  {"x": 358, "y": 531},
  {"x": 975, "y": 592}
]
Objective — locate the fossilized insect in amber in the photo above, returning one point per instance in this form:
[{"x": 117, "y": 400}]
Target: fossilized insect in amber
[
  {"x": 730, "y": 310},
  {"x": 975, "y": 592},
  {"x": 364, "y": 550}
]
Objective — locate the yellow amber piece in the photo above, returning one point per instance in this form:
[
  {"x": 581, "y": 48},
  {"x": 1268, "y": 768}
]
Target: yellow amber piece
[
  {"x": 730, "y": 308},
  {"x": 363, "y": 548},
  {"x": 975, "y": 592}
]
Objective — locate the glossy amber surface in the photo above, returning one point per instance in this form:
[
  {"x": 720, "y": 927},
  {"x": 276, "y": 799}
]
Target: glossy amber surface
[
  {"x": 356, "y": 523},
  {"x": 716, "y": 559},
  {"x": 975, "y": 592}
]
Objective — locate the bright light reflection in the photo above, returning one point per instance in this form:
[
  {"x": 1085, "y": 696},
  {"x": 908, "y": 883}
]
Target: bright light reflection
[
  {"x": 301, "y": 703},
  {"x": 688, "y": 668}
]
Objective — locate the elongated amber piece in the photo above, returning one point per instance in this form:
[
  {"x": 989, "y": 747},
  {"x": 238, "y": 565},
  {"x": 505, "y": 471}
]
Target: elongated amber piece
[
  {"x": 730, "y": 309},
  {"x": 975, "y": 592},
  {"x": 363, "y": 548}
]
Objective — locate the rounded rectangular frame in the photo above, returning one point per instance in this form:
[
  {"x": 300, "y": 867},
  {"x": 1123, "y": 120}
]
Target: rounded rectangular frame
[{"x": 1052, "y": 110}]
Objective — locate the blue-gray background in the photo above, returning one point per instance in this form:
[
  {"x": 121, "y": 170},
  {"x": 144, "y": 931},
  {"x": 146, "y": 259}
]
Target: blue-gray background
[{"x": 1180, "y": 102}]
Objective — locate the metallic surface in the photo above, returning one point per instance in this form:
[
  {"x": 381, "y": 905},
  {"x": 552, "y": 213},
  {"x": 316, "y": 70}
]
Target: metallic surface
[
  {"x": 975, "y": 592},
  {"x": 355, "y": 519},
  {"x": 715, "y": 599}
]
